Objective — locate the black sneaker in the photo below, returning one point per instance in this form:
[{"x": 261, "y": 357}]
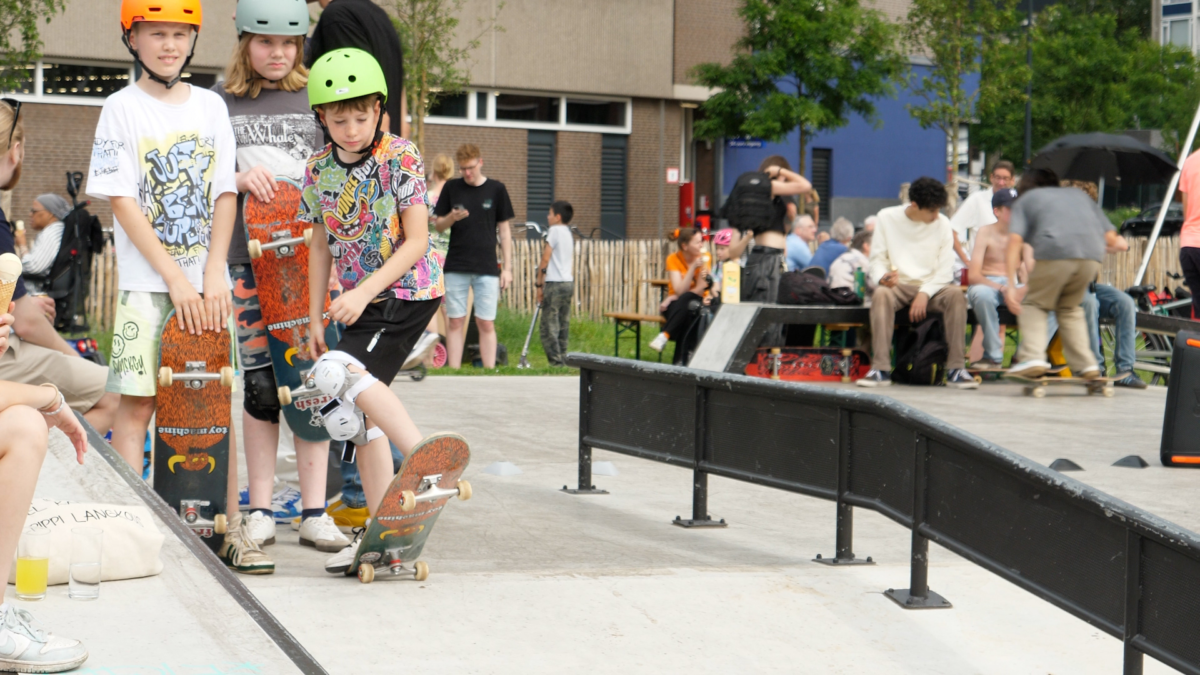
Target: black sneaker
[
  {"x": 959, "y": 378},
  {"x": 875, "y": 378},
  {"x": 1129, "y": 380}
]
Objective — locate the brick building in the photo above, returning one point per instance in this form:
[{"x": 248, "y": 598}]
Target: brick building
[{"x": 573, "y": 99}]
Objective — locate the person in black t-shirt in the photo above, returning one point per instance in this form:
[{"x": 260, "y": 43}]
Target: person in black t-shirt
[
  {"x": 472, "y": 209},
  {"x": 364, "y": 25}
]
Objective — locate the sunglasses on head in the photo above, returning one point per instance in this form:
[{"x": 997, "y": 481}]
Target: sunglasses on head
[{"x": 16, "y": 107}]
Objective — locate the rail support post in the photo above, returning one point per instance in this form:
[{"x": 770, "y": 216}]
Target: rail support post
[
  {"x": 918, "y": 595},
  {"x": 585, "y": 451},
  {"x": 844, "y": 545},
  {"x": 700, "y": 517}
]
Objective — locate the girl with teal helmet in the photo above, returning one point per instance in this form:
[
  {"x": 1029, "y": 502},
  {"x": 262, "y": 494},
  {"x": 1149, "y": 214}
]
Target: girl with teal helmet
[
  {"x": 344, "y": 75},
  {"x": 264, "y": 90}
]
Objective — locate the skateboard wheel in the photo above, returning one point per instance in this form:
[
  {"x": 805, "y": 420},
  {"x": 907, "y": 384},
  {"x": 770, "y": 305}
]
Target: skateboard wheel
[
  {"x": 308, "y": 236},
  {"x": 420, "y": 571},
  {"x": 1039, "y": 392},
  {"x": 227, "y": 376},
  {"x": 366, "y": 573},
  {"x": 165, "y": 377},
  {"x": 410, "y": 501},
  {"x": 285, "y": 396},
  {"x": 464, "y": 490},
  {"x": 220, "y": 524},
  {"x": 1109, "y": 392},
  {"x": 978, "y": 379},
  {"x": 254, "y": 248}
]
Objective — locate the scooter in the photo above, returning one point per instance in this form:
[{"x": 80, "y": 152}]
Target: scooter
[{"x": 524, "y": 362}]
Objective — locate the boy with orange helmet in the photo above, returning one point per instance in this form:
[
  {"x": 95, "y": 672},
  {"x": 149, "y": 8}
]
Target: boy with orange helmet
[{"x": 164, "y": 157}]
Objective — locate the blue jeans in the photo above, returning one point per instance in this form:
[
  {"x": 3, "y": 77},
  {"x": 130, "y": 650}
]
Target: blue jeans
[
  {"x": 985, "y": 301},
  {"x": 1111, "y": 303},
  {"x": 352, "y": 490}
]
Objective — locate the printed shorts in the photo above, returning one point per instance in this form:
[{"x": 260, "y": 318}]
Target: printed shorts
[
  {"x": 137, "y": 332},
  {"x": 252, "y": 348}
]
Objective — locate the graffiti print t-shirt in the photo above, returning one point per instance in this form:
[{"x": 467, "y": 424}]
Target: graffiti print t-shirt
[
  {"x": 278, "y": 131},
  {"x": 175, "y": 160},
  {"x": 360, "y": 207}
]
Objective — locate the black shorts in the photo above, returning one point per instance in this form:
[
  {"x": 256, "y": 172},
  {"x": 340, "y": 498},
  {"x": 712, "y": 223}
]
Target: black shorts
[{"x": 398, "y": 325}]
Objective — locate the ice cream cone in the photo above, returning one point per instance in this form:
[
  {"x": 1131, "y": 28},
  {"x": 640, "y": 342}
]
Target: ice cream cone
[{"x": 10, "y": 272}]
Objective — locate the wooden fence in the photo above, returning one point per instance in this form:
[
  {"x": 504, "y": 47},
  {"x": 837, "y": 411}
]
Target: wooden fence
[{"x": 610, "y": 276}]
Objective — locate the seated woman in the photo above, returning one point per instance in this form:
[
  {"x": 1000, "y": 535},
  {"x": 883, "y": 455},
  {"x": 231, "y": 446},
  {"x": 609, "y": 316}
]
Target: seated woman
[
  {"x": 46, "y": 218},
  {"x": 690, "y": 277},
  {"x": 26, "y": 414}
]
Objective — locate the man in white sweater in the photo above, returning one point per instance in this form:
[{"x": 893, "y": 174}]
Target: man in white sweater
[{"x": 912, "y": 255}]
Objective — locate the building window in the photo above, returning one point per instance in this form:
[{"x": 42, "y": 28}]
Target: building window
[
  {"x": 822, "y": 178},
  {"x": 527, "y": 108},
  {"x": 64, "y": 79},
  {"x": 201, "y": 80},
  {"x": 450, "y": 106},
  {"x": 596, "y": 113},
  {"x": 613, "y": 186},
  {"x": 539, "y": 185},
  {"x": 26, "y": 83},
  {"x": 1178, "y": 33},
  {"x": 481, "y": 105}
]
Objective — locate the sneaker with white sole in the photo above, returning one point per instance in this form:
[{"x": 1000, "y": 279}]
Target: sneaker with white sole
[
  {"x": 240, "y": 553},
  {"x": 262, "y": 528},
  {"x": 875, "y": 378},
  {"x": 1129, "y": 380},
  {"x": 659, "y": 342},
  {"x": 321, "y": 533},
  {"x": 286, "y": 504},
  {"x": 959, "y": 378},
  {"x": 341, "y": 561},
  {"x": 1030, "y": 369},
  {"x": 1091, "y": 373},
  {"x": 24, "y": 648}
]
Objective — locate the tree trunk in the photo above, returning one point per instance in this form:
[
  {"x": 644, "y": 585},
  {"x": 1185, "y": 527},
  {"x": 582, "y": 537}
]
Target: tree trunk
[{"x": 800, "y": 166}]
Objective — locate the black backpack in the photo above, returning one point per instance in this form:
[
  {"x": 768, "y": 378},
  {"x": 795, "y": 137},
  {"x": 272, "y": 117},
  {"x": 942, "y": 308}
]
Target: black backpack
[
  {"x": 801, "y": 288},
  {"x": 750, "y": 205},
  {"x": 921, "y": 353},
  {"x": 69, "y": 278}
]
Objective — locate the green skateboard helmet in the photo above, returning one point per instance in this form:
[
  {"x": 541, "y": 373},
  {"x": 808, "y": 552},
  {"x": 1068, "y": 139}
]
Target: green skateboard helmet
[
  {"x": 343, "y": 74},
  {"x": 272, "y": 17}
]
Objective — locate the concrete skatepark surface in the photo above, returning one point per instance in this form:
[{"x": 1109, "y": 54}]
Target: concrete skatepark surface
[{"x": 525, "y": 578}]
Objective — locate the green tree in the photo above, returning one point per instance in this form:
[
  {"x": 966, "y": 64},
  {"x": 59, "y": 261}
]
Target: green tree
[
  {"x": 433, "y": 67},
  {"x": 949, "y": 33},
  {"x": 20, "y": 39},
  {"x": 803, "y": 64}
]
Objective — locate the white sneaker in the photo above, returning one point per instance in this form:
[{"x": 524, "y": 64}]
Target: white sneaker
[
  {"x": 321, "y": 533},
  {"x": 659, "y": 342},
  {"x": 262, "y": 528},
  {"x": 26, "y": 649},
  {"x": 343, "y": 559},
  {"x": 1030, "y": 369}
]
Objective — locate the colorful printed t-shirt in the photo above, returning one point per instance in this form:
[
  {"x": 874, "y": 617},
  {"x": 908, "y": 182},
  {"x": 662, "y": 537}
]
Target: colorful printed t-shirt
[
  {"x": 175, "y": 160},
  {"x": 360, "y": 207}
]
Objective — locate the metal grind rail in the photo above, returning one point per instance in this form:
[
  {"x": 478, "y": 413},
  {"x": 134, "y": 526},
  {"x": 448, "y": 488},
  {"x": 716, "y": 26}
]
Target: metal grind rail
[{"x": 1120, "y": 568}]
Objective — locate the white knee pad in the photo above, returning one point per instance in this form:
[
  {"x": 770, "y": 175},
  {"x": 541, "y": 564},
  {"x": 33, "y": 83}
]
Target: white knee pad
[{"x": 343, "y": 420}]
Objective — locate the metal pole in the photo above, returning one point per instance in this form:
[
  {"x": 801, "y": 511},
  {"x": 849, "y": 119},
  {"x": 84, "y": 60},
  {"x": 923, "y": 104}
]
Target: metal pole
[
  {"x": 918, "y": 595},
  {"x": 1162, "y": 211},
  {"x": 844, "y": 537},
  {"x": 585, "y": 452},
  {"x": 700, "y": 517},
  {"x": 1029, "y": 87}
]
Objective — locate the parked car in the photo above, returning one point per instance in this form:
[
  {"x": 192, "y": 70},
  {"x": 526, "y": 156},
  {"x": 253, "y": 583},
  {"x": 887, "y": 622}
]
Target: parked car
[{"x": 1143, "y": 223}]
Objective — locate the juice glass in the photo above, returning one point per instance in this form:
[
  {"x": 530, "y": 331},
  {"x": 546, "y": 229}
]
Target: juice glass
[{"x": 33, "y": 565}]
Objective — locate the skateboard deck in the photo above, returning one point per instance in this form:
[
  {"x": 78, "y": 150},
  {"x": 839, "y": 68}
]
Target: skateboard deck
[
  {"x": 429, "y": 477},
  {"x": 1036, "y": 386},
  {"x": 810, "y": 364},
  {"x": 279, "y": 246},
  {"x": 191, "y": 427},
  {"x": 991, "y": 374}
]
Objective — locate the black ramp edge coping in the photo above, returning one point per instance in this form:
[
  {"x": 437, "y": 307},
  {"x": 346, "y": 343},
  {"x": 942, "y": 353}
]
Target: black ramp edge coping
[
  {"x": 1061, "y": 464},
  {"x": 223, "y": 576}
]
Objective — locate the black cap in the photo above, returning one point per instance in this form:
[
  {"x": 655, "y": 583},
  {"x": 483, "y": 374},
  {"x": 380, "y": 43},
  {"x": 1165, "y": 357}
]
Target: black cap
[{"x": 1003, "y": 197}]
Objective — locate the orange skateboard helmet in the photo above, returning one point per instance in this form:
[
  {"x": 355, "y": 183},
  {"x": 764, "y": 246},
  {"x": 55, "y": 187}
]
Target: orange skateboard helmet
[{"x": 174, "y": 11}]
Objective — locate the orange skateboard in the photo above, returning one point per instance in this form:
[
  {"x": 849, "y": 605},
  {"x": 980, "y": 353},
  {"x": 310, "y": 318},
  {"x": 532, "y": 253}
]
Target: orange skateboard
[{"x": 191, "y": 427}]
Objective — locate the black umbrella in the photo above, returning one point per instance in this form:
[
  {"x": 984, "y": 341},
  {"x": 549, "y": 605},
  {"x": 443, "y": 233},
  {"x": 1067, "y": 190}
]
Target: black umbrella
[{"x": 1114, "y": 157}]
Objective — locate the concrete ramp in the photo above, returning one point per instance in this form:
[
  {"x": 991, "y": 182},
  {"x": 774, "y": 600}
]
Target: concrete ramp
[{"x": 184, "y": 621}]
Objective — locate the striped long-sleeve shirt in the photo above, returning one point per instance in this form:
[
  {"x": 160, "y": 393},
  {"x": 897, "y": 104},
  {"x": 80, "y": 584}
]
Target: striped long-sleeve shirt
[{"x": 44, "y": 250}]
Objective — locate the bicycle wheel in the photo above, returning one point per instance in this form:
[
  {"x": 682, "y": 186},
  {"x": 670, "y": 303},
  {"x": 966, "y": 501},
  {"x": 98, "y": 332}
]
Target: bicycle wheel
[{"x": 1152, "y": 350}]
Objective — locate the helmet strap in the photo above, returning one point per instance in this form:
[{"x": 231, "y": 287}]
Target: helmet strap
[{"x": 150, "y": 72}]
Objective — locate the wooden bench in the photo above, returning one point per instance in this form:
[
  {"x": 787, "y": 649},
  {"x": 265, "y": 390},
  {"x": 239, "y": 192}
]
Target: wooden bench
[{"x": 631, "y": 322}]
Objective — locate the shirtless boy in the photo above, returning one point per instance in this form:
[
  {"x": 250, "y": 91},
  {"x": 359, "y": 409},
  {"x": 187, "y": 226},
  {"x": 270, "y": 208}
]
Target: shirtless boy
[{"x": 988, "y": 276}]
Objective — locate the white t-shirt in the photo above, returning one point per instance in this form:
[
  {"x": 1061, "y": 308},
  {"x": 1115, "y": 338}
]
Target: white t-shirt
[
  {"x": 175, "y": 160},
  {"x": 562, "y": 246},
  {"x": 922, "y": 253},
  {"x": 975, "y": 212}
]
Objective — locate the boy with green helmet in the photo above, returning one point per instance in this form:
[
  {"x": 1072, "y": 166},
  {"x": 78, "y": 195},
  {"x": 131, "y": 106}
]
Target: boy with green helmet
[{"x": 365, "y": 195}]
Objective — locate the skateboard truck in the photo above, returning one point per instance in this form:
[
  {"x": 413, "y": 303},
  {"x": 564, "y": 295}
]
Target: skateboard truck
[
  {"x": 283, "y": 245},
  {"x": 419, "y": 571},
  {"x": 428, "y": 491},
  {"x": 195, "y": 376},
  {"x": 190, "y": 510}
]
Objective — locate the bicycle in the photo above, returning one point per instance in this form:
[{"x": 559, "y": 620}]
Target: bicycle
[{"x": 1153, "y": 354}]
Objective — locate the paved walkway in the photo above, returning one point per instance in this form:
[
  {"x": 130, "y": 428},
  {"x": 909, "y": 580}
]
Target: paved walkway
[{"x": 525, "y": 578}]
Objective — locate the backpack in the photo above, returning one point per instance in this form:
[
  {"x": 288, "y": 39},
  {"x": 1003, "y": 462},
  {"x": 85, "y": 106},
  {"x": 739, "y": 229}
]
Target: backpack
[
  {"x": 800, "y": 288},
  {"x": 750, "y": 205},
  {"x": 921, "y": 353},
  {"x": 69, "y": 277}
]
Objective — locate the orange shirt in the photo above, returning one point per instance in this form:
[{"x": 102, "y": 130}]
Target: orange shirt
[
  {"x": 1189, "y": 183},
  {"x": 676, "y": 263}
]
